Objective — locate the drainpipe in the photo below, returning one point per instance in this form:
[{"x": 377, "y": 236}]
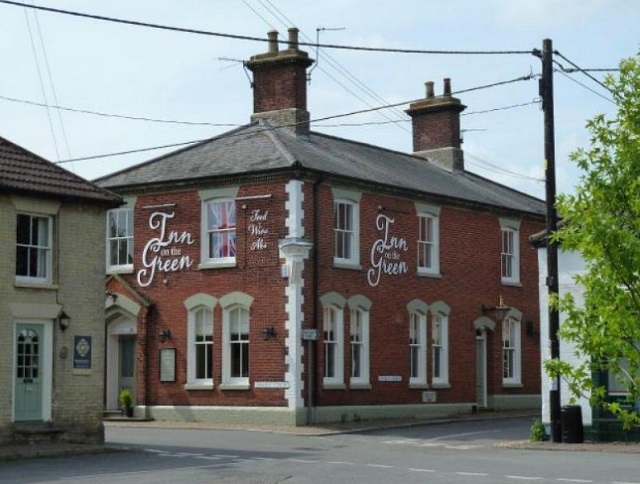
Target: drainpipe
[{"x": 311, "y": 374}]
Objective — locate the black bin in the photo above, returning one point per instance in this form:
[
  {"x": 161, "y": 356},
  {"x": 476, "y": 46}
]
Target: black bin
[{"x": 571, "y": 420}]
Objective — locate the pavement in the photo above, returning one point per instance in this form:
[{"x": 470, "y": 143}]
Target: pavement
[{"x": 39, "y": 450}]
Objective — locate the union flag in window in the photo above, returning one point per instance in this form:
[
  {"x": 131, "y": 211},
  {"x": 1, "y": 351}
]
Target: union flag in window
[{"x": 221, "y": 227}]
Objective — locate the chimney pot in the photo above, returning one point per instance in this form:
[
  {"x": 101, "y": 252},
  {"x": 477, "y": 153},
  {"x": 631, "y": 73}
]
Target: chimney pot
[
  {"x": 429, "y": 85},
  {"x": 447, "y": 86},
  {"x": 293, "y": 38},
  {"x": 272, "y": 35}
]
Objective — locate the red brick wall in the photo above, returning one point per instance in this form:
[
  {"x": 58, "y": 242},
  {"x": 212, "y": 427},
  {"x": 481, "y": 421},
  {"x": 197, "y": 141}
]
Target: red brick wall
[
  {"x": 279, "y": 85},
  {"x": 438, "y": 129},
  {"x": 470, "y": 245}
]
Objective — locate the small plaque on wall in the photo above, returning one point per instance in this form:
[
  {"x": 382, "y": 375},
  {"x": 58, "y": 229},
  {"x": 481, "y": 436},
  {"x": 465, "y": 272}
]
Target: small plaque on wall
[
  {"x": 82, "y": 352},
  {"x": 168, "y": 365}
]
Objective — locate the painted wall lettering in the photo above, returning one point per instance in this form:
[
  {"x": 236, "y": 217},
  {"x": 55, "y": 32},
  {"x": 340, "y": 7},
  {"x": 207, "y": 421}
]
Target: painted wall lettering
[
  {"x": 162, "y": 253},
  {"x": 257, "y": 230},
  {"x": 386, "y": 252}
]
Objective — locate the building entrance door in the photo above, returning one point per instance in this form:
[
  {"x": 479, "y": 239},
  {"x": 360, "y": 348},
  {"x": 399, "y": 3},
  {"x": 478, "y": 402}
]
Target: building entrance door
[
  {"x": 28, "y": 372},
  {"x": 127, "y": 364},
  {"x": 481, "y": 368}
]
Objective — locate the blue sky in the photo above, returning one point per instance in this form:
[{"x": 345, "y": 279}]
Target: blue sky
[{"x": 133, "y": 71}]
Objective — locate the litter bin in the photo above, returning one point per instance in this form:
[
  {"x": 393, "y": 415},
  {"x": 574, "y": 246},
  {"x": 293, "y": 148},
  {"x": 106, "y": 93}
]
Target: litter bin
[{"x": 571, "y": 421}]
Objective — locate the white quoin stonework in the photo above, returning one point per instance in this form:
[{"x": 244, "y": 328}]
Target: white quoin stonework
[{"x": 294, "y": 250}]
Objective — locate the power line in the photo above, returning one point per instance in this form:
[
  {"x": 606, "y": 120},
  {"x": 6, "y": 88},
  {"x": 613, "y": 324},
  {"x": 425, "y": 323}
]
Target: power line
[
  {"x": 499, "y": 169},
  {"x": 230, "y": 125},
  {"x": 341, "y": 70},
  {"x": 335, "y": 116},
  {"x": 262, "y": 39},
  {"x": 51, "y": 83},
  {"x": 561, "y": 71},
  {"x": 44, "y": 93},
  {"x": 584, "y": 72},
  {"x": 120, "y": 116},
  {"x": 370, "y": 123}
]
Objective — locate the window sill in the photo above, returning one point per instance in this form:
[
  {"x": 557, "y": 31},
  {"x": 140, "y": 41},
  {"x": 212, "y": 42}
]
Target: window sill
[
  {"x": 36, "y": 285},
  {"x": 430, "y": 275},
  {"x": 419, "y": 386},
  {"x": 235, "y": 386},
  {"x": 359, "y": 386},
  {"x": 216, "y": 265},
  {"x": 441, "y": 385},
  {"x": 334, "y": 386},
  {"x": 128, "y": 269},
  {"x": 511, "y": 283},
  {"x": 346, "y": 265},
  {"x": 198, "y": 386},
  {"x": 512, "y": 385}
]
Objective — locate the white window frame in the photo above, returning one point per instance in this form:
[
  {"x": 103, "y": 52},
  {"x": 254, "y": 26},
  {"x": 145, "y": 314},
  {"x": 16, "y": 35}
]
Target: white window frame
[
  {"x": 127, "y": 238},
  {"x": 43, "y": 248},
  {"x": 333, "y": 304},
  {"x": 510, "y": 256},
  {"x": 194, "y": 305},
  {"x": 208, "y": 197},
  {"x": 511, "y": 327},
  {"x": 233, "y": 302},
  {"x": 360, "y": 313},
  {"x": 440, "y": 323},
  {"x": 350, "y": 200},
  {"x": 428, "y": 213},
  {"x": 417, "y": 344}
]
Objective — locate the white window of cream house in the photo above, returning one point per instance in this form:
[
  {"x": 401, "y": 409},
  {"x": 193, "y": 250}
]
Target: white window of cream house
[
  {"x": 346, "y": 228},
  {"x": 120, "y": 238},
  {"x": 34, "y": 248},
  {"x": 34, "y": 239},
  {"x": 219, "y": 231}
]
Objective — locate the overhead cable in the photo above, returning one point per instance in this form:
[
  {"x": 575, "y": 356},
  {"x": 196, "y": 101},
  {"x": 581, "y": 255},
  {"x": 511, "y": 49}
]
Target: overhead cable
[
  {"x": 232, "y": 135},
  {"x": 262, "y": 39}
]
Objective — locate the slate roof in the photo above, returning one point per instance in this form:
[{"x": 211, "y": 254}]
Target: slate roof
[
  {"x": 258, "y": 147},
  {"x": 27, "y": 173}
]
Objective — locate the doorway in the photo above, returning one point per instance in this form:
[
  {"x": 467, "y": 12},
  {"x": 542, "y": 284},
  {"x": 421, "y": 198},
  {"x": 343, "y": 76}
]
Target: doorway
[
  {"x": 121, "y": 360},
  {"x": 481, "y": 368}
]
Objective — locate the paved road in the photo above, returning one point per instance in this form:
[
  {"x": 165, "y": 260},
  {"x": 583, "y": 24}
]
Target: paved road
[{"x": 459, "y": 453}]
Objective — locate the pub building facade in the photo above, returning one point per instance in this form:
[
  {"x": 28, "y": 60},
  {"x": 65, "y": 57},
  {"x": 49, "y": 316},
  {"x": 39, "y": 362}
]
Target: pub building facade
[{"x": 273, "y": 273}]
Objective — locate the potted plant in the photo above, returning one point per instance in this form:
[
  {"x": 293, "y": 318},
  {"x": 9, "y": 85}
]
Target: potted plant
[{"x": 126, "y": 402}]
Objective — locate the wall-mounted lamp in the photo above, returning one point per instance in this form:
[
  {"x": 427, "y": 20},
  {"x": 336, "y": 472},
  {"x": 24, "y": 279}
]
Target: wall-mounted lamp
[
  {"x": 63, "y": 321},
  {"x": 164, "y": 335},
  {"x": 501, "y": 310},
  {"x": 269, "y": 332},
  {"x": 530, "y": 328},
  {"x": 112, "y": 295}
]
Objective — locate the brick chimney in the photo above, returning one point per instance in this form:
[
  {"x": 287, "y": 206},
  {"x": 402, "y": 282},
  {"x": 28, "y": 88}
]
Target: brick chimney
[
  {"x": 280, "y": 84},
  {"x": 436, "y": 128}
]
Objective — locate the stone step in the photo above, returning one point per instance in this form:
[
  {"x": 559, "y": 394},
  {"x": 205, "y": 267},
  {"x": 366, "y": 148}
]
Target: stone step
[{"x": 35, "y": 433}]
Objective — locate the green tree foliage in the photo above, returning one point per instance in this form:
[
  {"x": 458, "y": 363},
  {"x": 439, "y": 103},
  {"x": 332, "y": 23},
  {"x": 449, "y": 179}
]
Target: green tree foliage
[{"x": 601, "y": 221}]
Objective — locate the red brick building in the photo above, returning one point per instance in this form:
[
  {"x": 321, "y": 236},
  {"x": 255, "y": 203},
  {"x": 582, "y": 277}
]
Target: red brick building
[{"x": 278, "y": 273}]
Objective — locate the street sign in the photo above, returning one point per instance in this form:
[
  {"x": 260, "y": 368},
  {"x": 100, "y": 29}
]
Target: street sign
[{"x": 310, "y": 334}]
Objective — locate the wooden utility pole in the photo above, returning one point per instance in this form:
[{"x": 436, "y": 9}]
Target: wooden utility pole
[{"x": 546, "y": 92}]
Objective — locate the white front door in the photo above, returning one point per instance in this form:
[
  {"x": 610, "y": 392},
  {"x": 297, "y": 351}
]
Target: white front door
[
  {"x": 481, "y": 369},
  {"x": 28, "y": 382},
  {"x": 127, "y": 364},
  {"x": 121, "y": 359}
]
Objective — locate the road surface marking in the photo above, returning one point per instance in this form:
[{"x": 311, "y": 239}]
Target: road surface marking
[
  {"x": 524, "y": 478},
  {"x": 381, "y": 466},
  {"x": 304, "y": 461},
  {"x": 572, "y": 480},
  {"x": 340, "y": 462},
  {"x": 414, "y": 469},
  {"x": 472, "y": 474}
]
